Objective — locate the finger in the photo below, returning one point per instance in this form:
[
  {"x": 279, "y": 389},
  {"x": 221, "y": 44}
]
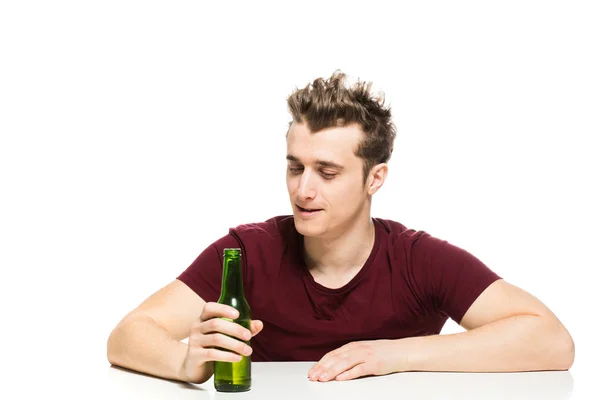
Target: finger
[
  {"x": 327, "y": 360},
  {"x": 340, "y": 350},
  {"x": 218, "y": 325},
  {"x": 219, "y": 355},
  {"x": 216, "y": 310},
  {"x": 353, "y": 373},
  {"x": 223, "y": 342},
  {"x": 315, "y": 370},
  {"x": 320, "y": 369},
  {"x": 336, "y": 367},
  {"x": 341, "y": 367},
  {"x": 256, "y": 326}
]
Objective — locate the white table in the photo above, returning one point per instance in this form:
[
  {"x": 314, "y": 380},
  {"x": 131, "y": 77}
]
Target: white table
[{"x": 288, "y": 381}]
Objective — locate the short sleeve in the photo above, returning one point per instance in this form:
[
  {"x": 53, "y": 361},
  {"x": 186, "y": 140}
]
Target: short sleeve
[
  {"x": 450, "y": 278},
  {"x": 204, "y": 275}
]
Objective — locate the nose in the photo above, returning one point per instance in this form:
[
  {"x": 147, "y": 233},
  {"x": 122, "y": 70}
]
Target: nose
[{"x": 306, "y": 185}]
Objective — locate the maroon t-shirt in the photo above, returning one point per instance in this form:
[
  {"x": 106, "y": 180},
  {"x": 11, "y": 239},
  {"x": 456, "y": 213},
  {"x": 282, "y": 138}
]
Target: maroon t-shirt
[{"x": 409, "y": 286}]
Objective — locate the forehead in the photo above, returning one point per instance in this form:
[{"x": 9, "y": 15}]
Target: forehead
[{"x": 336, "y": 144}]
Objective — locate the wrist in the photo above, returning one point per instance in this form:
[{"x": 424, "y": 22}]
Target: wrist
[
  {"x": 195, "y": 374},
  {"x": 401, "y": 355}
]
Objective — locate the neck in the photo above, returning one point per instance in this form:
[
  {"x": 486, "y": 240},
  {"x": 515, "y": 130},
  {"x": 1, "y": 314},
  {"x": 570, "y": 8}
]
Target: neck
[{"x": 339, "y": 254}]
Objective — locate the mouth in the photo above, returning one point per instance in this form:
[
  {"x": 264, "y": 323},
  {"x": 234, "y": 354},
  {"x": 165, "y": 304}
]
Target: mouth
[{"x": 308, "y": 211}]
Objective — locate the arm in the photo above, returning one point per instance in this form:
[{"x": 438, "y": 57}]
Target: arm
[
  {"x": 149, "y": 338},
  {"x": 508, "y": 329}
]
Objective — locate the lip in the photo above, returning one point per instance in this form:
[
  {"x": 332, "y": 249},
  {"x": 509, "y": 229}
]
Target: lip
[{"x": 307, "y": 214}]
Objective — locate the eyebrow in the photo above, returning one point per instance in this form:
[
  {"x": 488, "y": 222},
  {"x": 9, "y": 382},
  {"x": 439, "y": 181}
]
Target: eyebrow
[{"x": 322, "y": 163}]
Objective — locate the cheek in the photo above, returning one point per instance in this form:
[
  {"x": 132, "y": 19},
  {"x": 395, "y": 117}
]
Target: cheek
[
  {"x": 291, "y": 186},
  {"x": 349, "y": 197},
  {"x": 344, "y": 197}
]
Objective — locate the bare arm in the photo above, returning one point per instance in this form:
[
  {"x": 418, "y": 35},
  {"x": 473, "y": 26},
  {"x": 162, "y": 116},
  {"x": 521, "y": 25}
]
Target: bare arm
[
  {"x": 508, "y": 329},
  {"x": 148, "y": 339}
]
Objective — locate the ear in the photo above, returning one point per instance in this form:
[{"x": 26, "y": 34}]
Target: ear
[{"x": 376, "y": 178}]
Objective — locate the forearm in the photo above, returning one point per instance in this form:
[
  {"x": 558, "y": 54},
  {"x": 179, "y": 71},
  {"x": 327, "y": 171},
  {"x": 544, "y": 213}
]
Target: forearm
[
  {"x": 519, "y": 343},
  {"x": 142, "y": 345}
]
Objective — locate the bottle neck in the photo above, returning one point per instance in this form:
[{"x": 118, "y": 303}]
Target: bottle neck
[{"x": 232, "y": 285}]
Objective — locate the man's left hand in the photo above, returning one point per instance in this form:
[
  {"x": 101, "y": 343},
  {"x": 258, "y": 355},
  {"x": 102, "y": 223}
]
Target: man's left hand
[{"x": 374, "y": 357}]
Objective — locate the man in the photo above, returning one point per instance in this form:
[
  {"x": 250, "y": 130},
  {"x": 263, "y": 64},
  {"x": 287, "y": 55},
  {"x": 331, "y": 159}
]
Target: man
[{"x": 358, "y": 295}]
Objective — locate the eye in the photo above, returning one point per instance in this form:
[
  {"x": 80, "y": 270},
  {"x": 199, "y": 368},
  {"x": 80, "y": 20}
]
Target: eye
[
  {"x": 328, "y": 176},
  {"x": 295, "y": 169}
]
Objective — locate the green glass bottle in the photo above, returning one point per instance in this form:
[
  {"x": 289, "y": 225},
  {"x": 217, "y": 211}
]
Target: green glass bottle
[{"x": 236, "y": 376}]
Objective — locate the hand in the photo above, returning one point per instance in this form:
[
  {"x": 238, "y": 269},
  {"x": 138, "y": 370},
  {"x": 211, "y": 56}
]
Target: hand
[
  {"x": 375, "y": 357},
  {"x": 209, "y": 332}
]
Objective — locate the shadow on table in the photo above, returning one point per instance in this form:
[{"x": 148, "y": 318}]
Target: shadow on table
[
  {"x": 546, "y": 385},
  {"x": 183, "y": 385}
]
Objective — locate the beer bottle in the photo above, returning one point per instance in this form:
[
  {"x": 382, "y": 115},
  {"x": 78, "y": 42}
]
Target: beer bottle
[{"x": 234, "y": 376}]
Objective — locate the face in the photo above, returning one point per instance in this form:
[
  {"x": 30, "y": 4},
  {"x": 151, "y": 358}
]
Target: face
[{"x": 325, "y": 180}]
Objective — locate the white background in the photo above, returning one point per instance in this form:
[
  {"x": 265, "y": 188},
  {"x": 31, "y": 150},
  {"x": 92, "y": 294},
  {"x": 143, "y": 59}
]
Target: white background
[{"x": 134, "y": 133}]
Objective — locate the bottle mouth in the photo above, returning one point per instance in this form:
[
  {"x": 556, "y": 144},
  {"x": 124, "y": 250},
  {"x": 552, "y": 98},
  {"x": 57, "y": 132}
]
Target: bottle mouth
[{"x": 232, "y": 252}]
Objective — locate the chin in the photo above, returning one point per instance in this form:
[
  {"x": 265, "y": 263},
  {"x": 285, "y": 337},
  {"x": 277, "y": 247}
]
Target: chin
[{"x": 308, "y": 228}]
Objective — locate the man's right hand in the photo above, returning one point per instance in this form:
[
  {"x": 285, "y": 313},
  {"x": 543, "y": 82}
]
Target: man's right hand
[{"x": 210, "y": 332}]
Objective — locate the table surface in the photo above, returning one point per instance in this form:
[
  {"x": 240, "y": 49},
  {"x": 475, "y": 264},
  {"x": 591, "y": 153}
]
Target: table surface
[{"x": 288, "y": 380}]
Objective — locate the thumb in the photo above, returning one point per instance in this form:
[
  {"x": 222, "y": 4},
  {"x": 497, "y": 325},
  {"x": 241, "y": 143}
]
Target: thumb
[{"x": 256, "y": 326}]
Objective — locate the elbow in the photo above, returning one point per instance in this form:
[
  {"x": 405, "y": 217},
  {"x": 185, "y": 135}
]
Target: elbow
[
  {"x": 113, "y": 345},
  {"x": 567, "y": 354},
  {"x": 110, "y": 349},
  {"x": 562, "y": 350}
]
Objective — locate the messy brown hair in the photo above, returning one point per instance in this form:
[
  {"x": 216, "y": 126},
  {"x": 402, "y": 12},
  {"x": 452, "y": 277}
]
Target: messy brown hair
[{"x": 328, "y": 103}]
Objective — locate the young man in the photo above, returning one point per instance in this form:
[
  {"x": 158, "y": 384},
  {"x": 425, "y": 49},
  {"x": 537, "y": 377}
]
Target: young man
[{"x": 358, "y": 295}]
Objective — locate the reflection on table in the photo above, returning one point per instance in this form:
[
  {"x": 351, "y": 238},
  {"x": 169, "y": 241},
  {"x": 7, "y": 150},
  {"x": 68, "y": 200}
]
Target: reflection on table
[{"x": 288, "y": 381}]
